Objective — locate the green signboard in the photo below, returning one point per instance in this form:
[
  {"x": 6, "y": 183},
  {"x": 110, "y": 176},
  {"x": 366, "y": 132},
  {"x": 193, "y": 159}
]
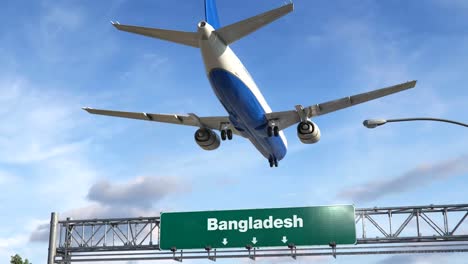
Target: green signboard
[{"x": 299, "y": 226}]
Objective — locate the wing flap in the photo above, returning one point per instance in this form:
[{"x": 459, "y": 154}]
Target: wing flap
[
  {"x": 212, "y": 122},
  {"x": 164, "y": 118}
]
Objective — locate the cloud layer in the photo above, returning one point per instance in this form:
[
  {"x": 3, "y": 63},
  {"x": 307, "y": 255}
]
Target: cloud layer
[
  {"x": 415, "y": 178},
  {"x": 132, "y": 199},
  {"x": 140, "y": 192}
]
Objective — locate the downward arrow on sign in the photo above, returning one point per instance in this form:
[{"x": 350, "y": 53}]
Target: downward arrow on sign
[
  {"x": 284, "y": 239},
  {"x": 224, "y": 241},
  {"x": 254, "y": 240}
]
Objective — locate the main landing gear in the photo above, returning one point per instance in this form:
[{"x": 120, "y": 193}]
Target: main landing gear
[
  {"x": 273, "y": 162},
  {"x": 226, "y": 133},
  {"x": 273, "y": 131}
]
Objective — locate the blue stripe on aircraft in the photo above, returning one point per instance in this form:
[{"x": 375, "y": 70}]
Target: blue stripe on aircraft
[
  {"x": 211, "y": 13},
  {"x": 245, "y": 112}
]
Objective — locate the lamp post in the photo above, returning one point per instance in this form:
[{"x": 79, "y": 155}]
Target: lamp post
[{"x": 373, "y": 123}]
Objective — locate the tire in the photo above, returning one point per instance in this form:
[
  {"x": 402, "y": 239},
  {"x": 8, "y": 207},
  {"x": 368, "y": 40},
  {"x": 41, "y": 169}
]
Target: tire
[
  {"x": 223, "y": 134},
  {"x": 229, "y": 134},
  {"x": 270, "y": 131},
  {"x": 276, "y": 131}
]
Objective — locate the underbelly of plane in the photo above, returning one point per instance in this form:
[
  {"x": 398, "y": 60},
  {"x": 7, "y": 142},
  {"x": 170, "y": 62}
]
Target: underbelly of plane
[{"x": 246, "y": 113}]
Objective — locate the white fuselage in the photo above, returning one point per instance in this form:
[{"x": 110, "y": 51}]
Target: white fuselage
[{"x": 238, "y": 93}]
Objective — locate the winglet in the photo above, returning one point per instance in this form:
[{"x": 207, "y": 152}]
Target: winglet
[
  {"x": 115, "y": 24},
  {"x": 88, "y": 109}
]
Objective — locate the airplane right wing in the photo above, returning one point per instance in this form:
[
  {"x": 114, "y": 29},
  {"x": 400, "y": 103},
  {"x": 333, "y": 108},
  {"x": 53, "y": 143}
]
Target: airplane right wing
[
  {"x": 212, "y": 122},
  {"x": 286, "y": 119}
]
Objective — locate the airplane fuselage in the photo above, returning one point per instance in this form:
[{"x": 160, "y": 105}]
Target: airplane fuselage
[{"x": 238, "y": 93}]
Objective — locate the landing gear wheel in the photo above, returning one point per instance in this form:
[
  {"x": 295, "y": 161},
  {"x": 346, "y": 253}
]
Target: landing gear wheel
[
  {"x": 229, "y": 134},
  {"x": 273, "y": 162},
  {"x": 223, "y": 134},
  {"x": 276, "y": 131},
  {"x": 270, "y": 131}
]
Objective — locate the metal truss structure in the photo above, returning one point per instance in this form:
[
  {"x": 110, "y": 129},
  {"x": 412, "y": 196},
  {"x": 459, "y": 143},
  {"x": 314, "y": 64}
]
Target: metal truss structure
[{"x": 380, "y": 230}]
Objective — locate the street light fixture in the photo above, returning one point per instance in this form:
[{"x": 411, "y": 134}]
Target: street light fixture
[{"x": 373, "y": 123}]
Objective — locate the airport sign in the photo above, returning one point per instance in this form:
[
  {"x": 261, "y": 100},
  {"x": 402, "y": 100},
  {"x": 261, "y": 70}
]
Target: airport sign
[{"x": 296, "y": 226}]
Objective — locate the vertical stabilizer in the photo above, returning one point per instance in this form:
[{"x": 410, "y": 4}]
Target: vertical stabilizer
[{"x": 211, "y": 13}]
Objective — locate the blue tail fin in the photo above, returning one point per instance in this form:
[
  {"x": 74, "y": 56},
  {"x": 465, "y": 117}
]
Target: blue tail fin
[{"x": 211, "y": 14}]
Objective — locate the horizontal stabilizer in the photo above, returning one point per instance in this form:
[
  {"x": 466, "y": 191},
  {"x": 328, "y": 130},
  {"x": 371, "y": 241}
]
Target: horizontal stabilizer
[
  {"x": 180, "y": 37},
  {"x": 238, "y": 30}
]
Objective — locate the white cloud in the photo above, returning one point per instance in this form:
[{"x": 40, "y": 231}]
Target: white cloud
[
  {"x": 134, "y": 198},
  {"x": 42, "y": 148},
  {"x": 12, "y": 241},
  {"x": 38, "y": 124},
  {"x": 412, "y": 179},
  {"x": 420, "y": 259},
  {"x": 8, "y": 243},
  {"x": 141, "y": 191},
  {"x": 7, "y": 178}
]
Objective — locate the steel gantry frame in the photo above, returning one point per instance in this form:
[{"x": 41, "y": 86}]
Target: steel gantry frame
[{"x": 380, "y": 230}]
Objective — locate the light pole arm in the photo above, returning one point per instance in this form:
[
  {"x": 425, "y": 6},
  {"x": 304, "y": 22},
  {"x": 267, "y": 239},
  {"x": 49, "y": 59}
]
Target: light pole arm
[
  {"x": 427, "y": 119},
  {"x": 372, "y": 123}
]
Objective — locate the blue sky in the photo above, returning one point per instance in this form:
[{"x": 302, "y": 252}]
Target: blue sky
[{"x": 59, "y": 56}]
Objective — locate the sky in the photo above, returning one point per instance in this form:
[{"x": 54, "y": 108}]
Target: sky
[{"x": 59, "y": 56}]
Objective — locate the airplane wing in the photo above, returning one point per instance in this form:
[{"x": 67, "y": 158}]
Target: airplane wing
[
  {"x": 212, "y": 122},
  {"x": 286, "y": 119}
]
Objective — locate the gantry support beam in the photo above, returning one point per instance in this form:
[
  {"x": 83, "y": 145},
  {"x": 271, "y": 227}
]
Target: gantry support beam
[{"x": 380, "y": 230}]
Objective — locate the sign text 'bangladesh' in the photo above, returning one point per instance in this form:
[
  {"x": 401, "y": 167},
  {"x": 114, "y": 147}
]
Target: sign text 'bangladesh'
[{"x": 251, "y": 223}]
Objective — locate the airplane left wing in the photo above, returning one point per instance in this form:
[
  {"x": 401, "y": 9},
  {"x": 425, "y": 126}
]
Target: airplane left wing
[
  {"x": 212, "y": 122},
  {"x": 286, "y": 119}
]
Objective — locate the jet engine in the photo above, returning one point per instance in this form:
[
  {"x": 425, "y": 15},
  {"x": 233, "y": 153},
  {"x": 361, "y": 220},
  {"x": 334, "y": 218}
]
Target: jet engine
[
  {"x": 308, "y": 132},
  {"x": 207, "y": 139}
]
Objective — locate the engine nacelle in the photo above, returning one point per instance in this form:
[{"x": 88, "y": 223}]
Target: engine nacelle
[
  {"x": 308, "y": 132},
  {"x": 207, "y": 139}
]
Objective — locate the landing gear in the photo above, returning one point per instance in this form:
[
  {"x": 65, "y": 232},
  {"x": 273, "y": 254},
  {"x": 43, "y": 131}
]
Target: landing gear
[
  {"x": 273, "y": 162},
  {"x": 223, "y": 134},
  {"x": 273, "y": 131},
  {"x": 226, "y": 133}
]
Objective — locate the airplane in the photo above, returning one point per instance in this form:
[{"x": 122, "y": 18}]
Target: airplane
[{"x": 249, "y": 115}]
